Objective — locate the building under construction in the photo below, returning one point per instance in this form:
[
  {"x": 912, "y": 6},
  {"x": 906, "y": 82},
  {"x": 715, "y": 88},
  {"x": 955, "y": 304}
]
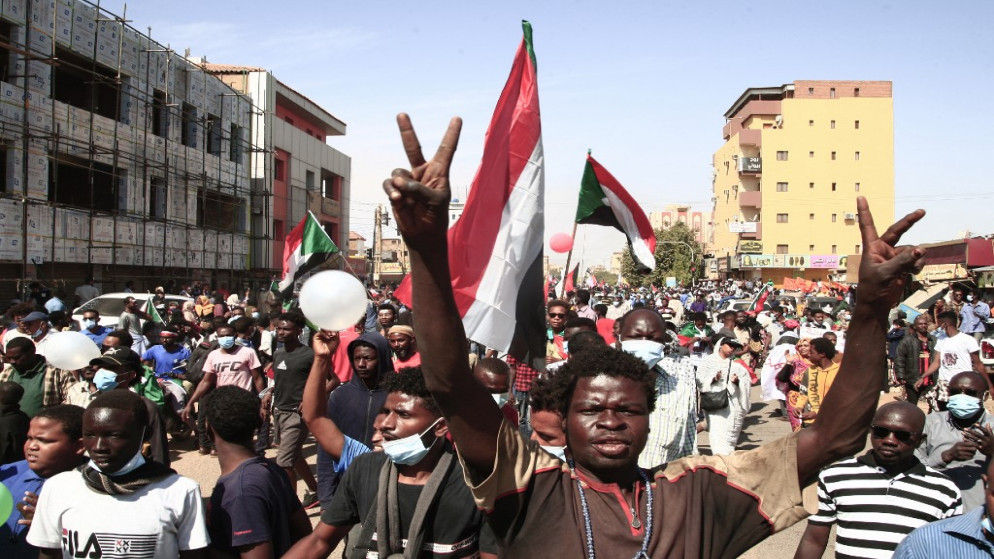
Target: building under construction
[{"x": 127, "y": 161}]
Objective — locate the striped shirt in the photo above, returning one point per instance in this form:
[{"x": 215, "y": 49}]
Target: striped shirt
[
  {"x": 673, "y": 424},
  {"x": 961, "y": 537},
  {"x": 874, "y": 510}
]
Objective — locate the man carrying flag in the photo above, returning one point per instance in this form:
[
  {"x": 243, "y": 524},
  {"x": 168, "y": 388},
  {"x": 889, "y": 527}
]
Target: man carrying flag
[
  {"x": 495, "y": 248},
  {"x": 757, "y": 304},
  {"x": 306, "y": 248},
  {"x": 603, "y": 201}
]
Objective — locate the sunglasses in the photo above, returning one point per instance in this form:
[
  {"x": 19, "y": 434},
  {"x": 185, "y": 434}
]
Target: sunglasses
[
  {"x": 883, "y": 433},
  {"x": 557, "y": 315},
  {"x": 967, "y": 391}
]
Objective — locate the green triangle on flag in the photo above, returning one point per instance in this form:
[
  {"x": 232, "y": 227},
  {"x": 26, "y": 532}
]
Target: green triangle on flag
[{"x": 153, "y": 314}]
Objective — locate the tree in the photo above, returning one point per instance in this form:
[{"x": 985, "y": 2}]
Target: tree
[{"x": 673, "y": 259}]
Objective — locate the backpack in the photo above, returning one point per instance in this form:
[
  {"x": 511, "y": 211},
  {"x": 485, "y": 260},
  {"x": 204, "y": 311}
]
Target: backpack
[{"x": 195, "y": 368}]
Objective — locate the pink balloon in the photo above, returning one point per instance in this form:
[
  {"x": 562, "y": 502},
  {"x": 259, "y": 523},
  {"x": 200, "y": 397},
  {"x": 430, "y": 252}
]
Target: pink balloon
[{"x": 561, "y": 242}]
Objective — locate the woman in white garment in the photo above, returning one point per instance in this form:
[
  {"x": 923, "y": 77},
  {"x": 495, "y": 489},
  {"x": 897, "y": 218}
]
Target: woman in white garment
[{"x": 718, "y": 372}]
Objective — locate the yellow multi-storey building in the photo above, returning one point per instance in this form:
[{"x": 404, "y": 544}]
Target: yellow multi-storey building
[{"x": 786, "y": 180}]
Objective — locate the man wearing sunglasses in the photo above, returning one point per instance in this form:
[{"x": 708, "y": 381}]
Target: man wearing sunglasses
[
  {"x": 554, "y": 348},
  {"x": 880, "y": 497},
  {"x": 959, "y": 441}
]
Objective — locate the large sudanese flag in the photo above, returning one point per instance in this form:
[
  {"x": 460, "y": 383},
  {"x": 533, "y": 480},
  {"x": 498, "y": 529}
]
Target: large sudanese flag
[
  {"x": 306, "y": 248},
  {"x": 603, "y": 201},
  {"x": 495, "y": 249}
]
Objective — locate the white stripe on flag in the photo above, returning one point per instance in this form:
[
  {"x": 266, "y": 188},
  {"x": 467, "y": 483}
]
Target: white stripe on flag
[
  {"x": 490, "y": 319},
  {"x": 621, "y": 211}
]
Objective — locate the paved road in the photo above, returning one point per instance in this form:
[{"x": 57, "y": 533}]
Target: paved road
[{"x": 760, "y": 428}]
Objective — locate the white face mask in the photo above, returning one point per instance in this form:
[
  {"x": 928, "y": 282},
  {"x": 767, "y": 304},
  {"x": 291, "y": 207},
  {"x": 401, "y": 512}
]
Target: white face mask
[
  {"x": 409, "y": 450},
  {"x": 557, "y": 451},
  {"x": 136, "y": 462},
  {"x": 649, "y": 351}
]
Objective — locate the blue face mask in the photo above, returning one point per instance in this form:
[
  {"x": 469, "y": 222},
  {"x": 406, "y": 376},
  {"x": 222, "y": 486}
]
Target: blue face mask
[
  {"x": 226, "y": 342},
  {"x": 649, "y": 351},
  {"x": 105, "y": 380},
  {"x": 88, "y": 324},
  {"x": 409, "y": 450},
  {"x": 963, "y": 406}
]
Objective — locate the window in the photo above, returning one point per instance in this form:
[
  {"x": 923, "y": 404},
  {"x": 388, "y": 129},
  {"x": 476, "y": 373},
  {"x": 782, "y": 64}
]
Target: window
[
  {"x": 219, "y": 211},
  {"x": 832, "y": 125},
  {"x": 855, "y": 93},
  {"x": 857, "y": 187},
  {"x": 309, "y": 180},
  {"x": 235, "y": 148},
  {"x": 157, "y": 198},
  {"x": 811, "y": 123},
  {"x": 857, "y": 156},
  {"x": 77, "y": 81},
  {"x": 811, "y": 216},
  {"x": 781, "y": 187},
  {"x": 331, "y": 185},
  {"x": 781, "y": 218},
  {"x": 87, "y": 184},
  {"x": 833, "y": 156},
  {"x": 781, "y": 156},
  {"x": 857, "y": 125},
  {"x": 857, "y": 250},
  {"x": 834, "y": 217},
  {"x": 189, "y": 132},
  {"x": 782, "y": 249},
  {"x": 811, "y": 154},
  {"x": 811, "y": 248},
  {"x": 811, "y": 185},
  {"x": 160, "y": 114},
  {"x": 5, "y": 186},
  {"x": 833, "y": 187},
  {"x": 279, "y": 170},
  {"x": 831, "y": 93},
  {"x": 214, "y": 131},
  {"x": 834, "y": 249},
  {"x": 811, "y": 91}
]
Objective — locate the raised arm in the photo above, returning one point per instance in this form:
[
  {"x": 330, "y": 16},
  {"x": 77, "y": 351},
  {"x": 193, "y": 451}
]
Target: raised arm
[
  {"x": 315, "y": 399},
  {"x": 845, "y": 414},
  {"x": 420, "y": 200}
]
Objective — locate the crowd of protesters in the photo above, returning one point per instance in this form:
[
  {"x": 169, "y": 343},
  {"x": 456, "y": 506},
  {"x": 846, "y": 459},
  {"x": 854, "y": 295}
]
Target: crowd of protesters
[{"x": 431, "y": 445}]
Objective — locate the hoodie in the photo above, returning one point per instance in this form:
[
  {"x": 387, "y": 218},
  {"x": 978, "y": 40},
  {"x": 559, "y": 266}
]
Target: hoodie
[{"x": 354, "y": 407}]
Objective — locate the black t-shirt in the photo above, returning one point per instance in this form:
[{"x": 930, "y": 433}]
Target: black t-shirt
[
  {"x": 290, "y": 370},
  {"x": 455, "y": 529},
  {"x": 252, "y": 504}
]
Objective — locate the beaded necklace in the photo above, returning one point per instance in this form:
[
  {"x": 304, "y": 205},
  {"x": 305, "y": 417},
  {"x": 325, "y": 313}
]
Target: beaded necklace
[{"x": 644, "y": 552}]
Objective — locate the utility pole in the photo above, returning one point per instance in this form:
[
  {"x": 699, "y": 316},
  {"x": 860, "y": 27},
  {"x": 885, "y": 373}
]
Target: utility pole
[{"x": 377, "y": 244}]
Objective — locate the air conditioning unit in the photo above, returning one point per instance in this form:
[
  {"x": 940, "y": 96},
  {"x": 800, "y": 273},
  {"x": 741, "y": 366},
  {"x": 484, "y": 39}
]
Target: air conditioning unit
[{"x": 849, "y": 217}]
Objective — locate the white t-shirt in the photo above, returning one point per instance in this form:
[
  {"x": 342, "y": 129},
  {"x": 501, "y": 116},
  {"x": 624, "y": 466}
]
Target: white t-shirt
[
  {"x": 954, "y": 355},
  {"x": 159, "y": 520}
]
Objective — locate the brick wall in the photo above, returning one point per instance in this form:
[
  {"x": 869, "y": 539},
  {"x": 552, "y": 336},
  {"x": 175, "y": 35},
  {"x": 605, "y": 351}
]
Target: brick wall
[{"x": 823, "y": 88}]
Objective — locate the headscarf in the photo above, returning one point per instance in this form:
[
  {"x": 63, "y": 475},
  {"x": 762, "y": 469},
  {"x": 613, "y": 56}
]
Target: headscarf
[{"x": 204, "y": 307}]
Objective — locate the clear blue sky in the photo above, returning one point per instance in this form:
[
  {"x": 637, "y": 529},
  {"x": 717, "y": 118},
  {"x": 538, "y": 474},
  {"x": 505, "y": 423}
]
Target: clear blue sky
[{"x": 643, "y": 84}]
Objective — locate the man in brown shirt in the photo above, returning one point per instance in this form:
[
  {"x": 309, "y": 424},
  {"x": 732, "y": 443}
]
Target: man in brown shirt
[{"x": 597, "y": 503}]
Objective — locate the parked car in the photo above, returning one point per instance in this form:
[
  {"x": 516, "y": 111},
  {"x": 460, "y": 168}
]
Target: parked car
[{"x": 111, "y": 305}]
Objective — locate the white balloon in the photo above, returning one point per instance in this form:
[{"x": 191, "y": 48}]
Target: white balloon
[
  {"x": 333, "y": 300},
  {"x": 70, "y": 350}
]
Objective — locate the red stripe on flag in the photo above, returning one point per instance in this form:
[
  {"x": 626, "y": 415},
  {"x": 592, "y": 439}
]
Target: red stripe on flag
[
  {"x": 608, "y": 181},
  {"x": 293, "y": 240},
  {"x": 514, "y": 131}
]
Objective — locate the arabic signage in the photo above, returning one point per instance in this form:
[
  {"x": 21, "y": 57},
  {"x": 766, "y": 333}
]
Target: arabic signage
[
  {"x": 750, "y": 247},
  {"x": 798, "y": 261},
  {"x": 934, "y": 272},
  {"x": 742, "y": 227}
]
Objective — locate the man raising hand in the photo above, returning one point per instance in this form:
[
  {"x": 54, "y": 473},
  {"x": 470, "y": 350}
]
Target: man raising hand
[{"x": 715, "y": 506}]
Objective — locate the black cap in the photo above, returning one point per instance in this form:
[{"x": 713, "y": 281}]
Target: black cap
[{"x": 118, "y": 356}]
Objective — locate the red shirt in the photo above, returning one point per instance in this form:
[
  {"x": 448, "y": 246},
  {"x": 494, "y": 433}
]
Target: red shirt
[{"x": 413, "y": 361}]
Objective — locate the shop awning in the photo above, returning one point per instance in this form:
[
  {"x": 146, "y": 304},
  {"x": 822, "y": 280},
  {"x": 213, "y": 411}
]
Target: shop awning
[{"x": 925, "y": 298}]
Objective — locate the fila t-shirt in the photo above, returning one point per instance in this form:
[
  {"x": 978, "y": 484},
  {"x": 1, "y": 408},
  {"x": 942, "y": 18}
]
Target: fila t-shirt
[
  {"x": 232, "y": 368},
  {"x": 954, "y": 355},
  {"x": 159, "y": 520}
]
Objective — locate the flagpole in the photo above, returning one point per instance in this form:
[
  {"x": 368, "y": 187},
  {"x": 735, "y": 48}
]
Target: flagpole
[{"x": 569, "y": 256}]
